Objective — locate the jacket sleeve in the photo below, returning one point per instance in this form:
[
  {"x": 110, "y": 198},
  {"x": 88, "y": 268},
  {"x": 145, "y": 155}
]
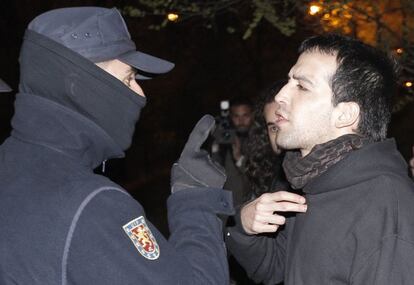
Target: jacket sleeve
[
  {"x": 391, "y": 263},
  {"x": 197, "y": 233},
  {"x": 99, "y": 249},
  {"x": 262, "y": 256}
]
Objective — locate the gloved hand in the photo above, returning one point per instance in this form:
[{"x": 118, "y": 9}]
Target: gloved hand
[{"x": 195, "y": 168}]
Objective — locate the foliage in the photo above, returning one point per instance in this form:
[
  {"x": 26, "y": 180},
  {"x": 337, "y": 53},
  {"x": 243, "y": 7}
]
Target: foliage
[
  {"x": 247, "y": 14},
  {"x": 387, "y": 24}
]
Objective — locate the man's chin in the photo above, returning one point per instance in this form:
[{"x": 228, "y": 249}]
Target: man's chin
[{"x": 286, "y": 144}]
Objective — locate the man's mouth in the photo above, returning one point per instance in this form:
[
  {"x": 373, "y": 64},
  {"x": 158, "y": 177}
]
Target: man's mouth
[{"x": 280, "y": 119}]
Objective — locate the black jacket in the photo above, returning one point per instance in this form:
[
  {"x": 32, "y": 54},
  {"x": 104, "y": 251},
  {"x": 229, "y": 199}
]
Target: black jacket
[
  {"x": 62, "y": 224},
  {"x": 358, "y": 229}
]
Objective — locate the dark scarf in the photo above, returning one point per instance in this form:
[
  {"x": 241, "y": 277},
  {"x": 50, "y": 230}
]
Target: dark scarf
[{"x": 300, "y": 170}]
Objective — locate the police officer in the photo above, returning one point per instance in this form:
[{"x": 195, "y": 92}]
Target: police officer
[{"x": 77, "y": 106}]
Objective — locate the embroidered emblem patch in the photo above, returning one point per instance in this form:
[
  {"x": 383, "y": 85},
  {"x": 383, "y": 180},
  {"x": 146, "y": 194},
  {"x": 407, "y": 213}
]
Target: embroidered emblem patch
[{"x": 141, "y": 236}]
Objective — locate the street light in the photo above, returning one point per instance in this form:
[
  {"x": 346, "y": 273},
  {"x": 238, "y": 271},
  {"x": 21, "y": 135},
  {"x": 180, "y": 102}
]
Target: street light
[
  {"x": 408, "y": 84},
  {"x": 314, "y": 9},
  {"x": 172, "y": 17}
]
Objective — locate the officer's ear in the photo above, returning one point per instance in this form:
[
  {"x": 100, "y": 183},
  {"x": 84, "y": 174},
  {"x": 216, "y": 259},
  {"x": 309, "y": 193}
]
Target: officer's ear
[{"x": 346, "y": 115}]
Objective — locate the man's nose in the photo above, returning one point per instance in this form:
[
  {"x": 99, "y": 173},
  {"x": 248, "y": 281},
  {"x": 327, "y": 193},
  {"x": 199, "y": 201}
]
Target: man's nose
[
  {"x": 137, "y": 88},
  {"x": 281, "y": 96}
]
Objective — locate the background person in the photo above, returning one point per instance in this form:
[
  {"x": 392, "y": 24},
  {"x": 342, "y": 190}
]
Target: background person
[
  {"x": 264, "y": 158},
  {"x": 233, "y": 156}
]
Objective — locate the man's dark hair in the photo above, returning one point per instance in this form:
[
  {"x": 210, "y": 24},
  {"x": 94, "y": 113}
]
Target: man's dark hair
[
  {"x": 364, "y": 75},
  {"x": 241, "y": 100}
]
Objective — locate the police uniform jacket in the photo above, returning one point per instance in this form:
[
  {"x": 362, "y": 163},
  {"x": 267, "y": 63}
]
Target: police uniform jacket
[{"x": 62, "y": 224}]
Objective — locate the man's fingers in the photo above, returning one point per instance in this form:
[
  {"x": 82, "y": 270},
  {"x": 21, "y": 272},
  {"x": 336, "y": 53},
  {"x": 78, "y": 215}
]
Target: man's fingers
[
  {"x": 269, "y": 208},
  {"x": 282, "y": 196},
  {"x": 264, "y": 228},
  {"x": 259, "y": 215},
  {"x": 289, "y": 207},
  {"x": 280, "y": 202},
  {"x": 274, "y": 219}
]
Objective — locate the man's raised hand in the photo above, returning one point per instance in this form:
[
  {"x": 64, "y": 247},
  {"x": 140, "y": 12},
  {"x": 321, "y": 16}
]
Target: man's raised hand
[{"x": 261, "y": 215}]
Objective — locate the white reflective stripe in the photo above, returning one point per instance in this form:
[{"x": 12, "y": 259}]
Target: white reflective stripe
[{"x": 73, "y": 226}]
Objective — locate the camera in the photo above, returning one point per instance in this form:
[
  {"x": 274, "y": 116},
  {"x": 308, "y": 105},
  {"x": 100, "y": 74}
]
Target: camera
[{"x": 224, "y": 132}]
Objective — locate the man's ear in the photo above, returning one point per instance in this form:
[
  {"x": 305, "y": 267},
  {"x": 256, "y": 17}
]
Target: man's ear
[{"x": 347, "y": 115}]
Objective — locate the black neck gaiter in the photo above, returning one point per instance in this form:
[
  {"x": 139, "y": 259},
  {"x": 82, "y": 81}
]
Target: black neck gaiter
[{"x": 52, "y": 71}]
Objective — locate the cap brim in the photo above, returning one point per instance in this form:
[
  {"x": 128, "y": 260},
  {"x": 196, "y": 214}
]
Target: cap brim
[
  {"x": 4, "y": 87},
  {"x": 147, "y": 65}
]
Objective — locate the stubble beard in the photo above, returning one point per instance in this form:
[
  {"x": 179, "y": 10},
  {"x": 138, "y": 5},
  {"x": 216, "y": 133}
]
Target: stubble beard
[
  {"x": 302, "y": 137},
  {"x": 288, "y": 140}
]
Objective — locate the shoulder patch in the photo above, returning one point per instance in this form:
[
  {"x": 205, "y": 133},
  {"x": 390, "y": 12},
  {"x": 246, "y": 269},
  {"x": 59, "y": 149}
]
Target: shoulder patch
[{"x": 142, "y": 238}]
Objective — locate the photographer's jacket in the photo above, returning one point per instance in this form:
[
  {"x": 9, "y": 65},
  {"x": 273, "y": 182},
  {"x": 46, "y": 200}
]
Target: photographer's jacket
[
  {"x": 358, "y": 229},
  {"x": 62, "y": 224}
]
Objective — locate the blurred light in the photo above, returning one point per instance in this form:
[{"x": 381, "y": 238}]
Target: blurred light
[
  {"x": 347, "y": 15},
  {"x": 408, "y": 84},
  {"x": 347, "y": 30},
  {"x": 172, "y": 17},
  {"x": 314, "y": 9},
  {"x": 335, "y": 22},
  {"x": 399, "y": 50},
  {"x": 336, "y": 11},
  {"x": 326, "y": 16}
]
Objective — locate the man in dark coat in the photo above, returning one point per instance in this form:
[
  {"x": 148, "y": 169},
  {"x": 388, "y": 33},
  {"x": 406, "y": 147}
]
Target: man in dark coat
[
  {"x": 77, "y": 106},
  {"x": 354, "y": 223}
]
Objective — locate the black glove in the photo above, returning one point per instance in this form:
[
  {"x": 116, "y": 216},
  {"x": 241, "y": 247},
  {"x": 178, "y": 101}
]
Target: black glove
[{"x": 195, "y": 167}]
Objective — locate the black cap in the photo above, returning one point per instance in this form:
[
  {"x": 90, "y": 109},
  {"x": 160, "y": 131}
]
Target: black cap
[
  {"x": 4, "y": 87},
  {"x": 98, "y": 34}
]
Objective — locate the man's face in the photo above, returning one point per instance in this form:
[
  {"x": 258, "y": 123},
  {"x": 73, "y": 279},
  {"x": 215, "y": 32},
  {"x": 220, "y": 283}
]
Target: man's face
[
  {"x": 269, "y": 113},
  {"x": 122, "y": 72},
  {"x": 304, "y": 114},
  {"x": 242, "y": 117}
]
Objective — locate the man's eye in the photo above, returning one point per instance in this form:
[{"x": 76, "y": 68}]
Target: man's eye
[
  {"x": 300, "y": 87},
  {"x": 272, "y": 129},
  {"x": 127, "y": 82}
]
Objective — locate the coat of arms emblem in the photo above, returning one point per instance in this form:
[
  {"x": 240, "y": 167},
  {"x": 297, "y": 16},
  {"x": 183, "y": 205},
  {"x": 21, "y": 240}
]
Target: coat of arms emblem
[{"x": 141, "y": 236}]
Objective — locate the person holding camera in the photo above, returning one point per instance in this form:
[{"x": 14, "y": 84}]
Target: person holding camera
[{"x": 229, "y": 147}]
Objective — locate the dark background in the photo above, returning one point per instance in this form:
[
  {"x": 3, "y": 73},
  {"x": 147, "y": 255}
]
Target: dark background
[{"x": 211, "y": 65}]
